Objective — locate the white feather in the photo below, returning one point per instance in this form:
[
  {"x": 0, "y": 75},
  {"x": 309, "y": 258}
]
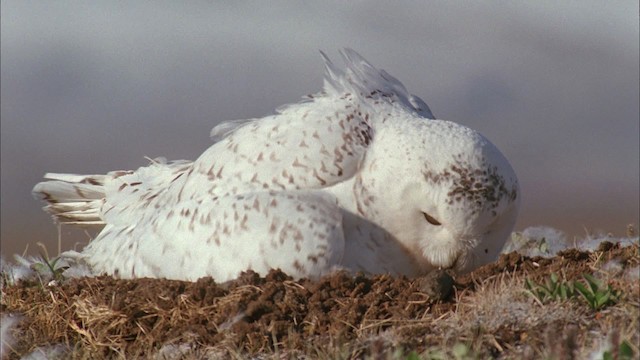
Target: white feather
[{"x": 343, "y": 179}]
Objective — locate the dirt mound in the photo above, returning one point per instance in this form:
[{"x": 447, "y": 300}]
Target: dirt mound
[{"x": 341, "y": 315}]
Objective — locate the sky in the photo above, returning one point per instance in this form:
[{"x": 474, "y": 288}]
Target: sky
[{"x": 90, "y": 87}]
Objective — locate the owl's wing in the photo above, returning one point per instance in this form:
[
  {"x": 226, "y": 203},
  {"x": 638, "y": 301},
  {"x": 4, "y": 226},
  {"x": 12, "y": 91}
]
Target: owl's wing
[{"x": 309, "y": 145}]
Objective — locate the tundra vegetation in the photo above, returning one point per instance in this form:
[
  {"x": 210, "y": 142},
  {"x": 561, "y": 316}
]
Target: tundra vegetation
[{"x": 544, "y": 298}]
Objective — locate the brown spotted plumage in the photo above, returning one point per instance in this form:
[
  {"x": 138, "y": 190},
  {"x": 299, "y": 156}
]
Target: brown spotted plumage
[{"x": 358, "y": 176}]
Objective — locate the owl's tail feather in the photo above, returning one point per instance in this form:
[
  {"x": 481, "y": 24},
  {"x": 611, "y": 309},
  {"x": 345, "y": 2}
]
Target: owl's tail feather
[{"x": 72, "y": 199}]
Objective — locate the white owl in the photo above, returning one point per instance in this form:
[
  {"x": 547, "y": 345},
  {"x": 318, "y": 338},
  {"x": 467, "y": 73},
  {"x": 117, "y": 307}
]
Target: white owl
[{"x": 357, "y": 177}]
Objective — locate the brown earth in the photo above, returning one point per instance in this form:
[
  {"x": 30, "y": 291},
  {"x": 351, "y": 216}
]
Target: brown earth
[{"x": 338, "y": 316}]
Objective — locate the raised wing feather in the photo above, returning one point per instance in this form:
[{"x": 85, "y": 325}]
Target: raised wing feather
[{"x": 308, "y": 146}]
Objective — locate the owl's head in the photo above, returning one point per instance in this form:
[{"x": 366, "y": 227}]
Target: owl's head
[{"x": 442, "y": 190}]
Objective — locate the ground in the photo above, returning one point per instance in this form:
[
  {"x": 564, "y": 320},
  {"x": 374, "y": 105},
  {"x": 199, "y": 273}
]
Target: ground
[{"x": 489, "y": 313}]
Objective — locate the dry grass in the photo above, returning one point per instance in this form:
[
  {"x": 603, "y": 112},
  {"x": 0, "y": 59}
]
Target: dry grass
[{"x": 491, "y": 315}]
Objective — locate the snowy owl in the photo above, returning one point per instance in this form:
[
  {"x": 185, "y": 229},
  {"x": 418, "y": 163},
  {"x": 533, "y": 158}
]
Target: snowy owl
[{"x": 359, "y": 176}]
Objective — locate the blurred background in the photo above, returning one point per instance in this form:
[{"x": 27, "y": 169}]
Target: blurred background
[{"x": 88, "y": 87}]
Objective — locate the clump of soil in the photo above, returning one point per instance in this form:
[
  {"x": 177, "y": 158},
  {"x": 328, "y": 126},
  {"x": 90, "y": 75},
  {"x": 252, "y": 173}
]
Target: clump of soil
[{"x": 342, "y": 315}]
